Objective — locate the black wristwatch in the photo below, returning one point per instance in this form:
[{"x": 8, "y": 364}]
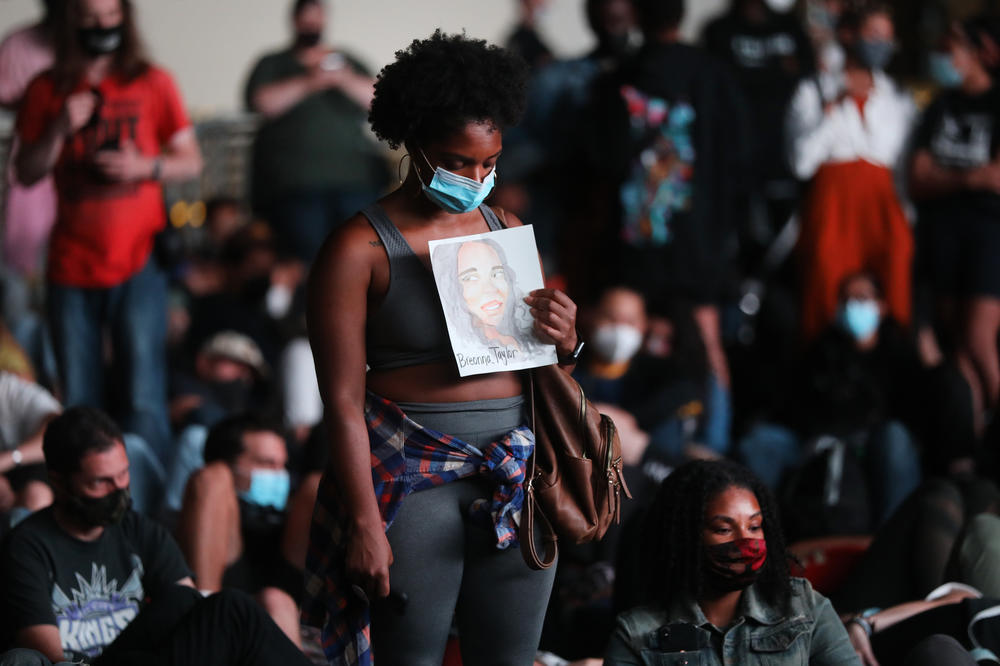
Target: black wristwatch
[{"x": 573, "y": 356}]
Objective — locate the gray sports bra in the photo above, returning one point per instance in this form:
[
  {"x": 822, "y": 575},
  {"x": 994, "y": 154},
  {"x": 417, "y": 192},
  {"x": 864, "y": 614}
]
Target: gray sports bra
[{"x": 408, "y": 328}]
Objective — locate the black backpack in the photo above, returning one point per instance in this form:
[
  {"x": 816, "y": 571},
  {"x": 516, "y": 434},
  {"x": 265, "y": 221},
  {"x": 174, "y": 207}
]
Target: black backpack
[{"x": 826, "y": 495}]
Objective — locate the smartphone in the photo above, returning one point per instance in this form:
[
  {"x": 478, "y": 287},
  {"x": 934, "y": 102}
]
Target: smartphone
[
  {"x": 680, "y": 637},
  {"x": 95, "y": 115},
  {"x": 397, "y": 600},
  {"x": 333, "y": 61}
]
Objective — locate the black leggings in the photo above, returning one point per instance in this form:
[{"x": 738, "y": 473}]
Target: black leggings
[
  {"x": 449, "y": 566},
  {"x": 936, "y": 650},
  {"x": 911, "y": 553},
  {"x": 180, "y": 628}
]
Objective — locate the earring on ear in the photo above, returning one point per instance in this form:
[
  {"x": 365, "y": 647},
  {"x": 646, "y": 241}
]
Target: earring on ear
[{"x": 399, "y": 167}]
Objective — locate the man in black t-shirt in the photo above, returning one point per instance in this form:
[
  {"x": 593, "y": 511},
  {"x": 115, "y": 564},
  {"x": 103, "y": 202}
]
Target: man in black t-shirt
[{"x": 90, "y": 579}]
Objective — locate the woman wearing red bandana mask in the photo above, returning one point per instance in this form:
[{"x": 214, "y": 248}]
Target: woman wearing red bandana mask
[{"x": 715, "y": 584}]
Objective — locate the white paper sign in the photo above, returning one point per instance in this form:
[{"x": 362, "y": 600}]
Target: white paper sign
[{"x": 482, "y": 281}]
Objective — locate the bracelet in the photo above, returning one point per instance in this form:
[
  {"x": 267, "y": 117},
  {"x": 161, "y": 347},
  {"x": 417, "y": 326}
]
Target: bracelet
[
  {"x": 157, "y": 168},
  {"x": 863, "y": 623}
]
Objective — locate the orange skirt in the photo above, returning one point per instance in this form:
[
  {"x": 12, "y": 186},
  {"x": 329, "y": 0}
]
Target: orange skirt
[{"x": 852, "y": 221}]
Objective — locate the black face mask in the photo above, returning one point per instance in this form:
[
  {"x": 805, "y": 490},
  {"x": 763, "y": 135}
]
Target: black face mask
[
  {"x": 615, "y": 46},
  {"x": 254, "y": 289},
  {"x": 233, "y": 396},
  {"x": 101, "y": 41},
  {"x": 306, "y": 40},
  {"x": 99, "y": 511}
]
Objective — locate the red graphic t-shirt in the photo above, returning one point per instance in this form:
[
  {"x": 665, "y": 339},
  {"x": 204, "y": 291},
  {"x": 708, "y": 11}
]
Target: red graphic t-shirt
[{"x": 104, "y": 230}]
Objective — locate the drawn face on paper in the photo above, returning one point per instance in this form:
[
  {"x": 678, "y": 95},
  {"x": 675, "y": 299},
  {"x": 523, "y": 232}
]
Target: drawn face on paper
[{"x": 483, "y": 281}]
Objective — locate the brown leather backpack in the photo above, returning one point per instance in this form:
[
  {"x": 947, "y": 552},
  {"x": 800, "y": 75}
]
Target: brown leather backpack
[{"x": 575, "y": 484}]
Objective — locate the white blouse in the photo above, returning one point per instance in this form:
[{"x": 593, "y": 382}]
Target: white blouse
[{"x": 815, "y": 137}]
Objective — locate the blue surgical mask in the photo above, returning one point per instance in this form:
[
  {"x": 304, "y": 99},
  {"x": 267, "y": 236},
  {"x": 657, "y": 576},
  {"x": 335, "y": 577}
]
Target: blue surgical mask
[
  {"x": 874, "y": 54},
  {"x": 819, "y": 16},
  {"x": 943, "y": 70},
  {"x": 268, "y": 487},
  {"x": 455, "y": 193},
  {"x": 860, "y": 318}
]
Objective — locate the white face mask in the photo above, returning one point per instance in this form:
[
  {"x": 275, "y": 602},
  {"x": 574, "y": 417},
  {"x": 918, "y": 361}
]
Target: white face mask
[
  {"x": 617, "y": 343},
  {"x": 278, "y": 300},
  {"x": 780, "y": 6}
]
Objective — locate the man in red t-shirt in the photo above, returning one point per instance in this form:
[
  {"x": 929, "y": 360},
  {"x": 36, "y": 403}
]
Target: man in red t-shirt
[{"x": 110, "y": 127}]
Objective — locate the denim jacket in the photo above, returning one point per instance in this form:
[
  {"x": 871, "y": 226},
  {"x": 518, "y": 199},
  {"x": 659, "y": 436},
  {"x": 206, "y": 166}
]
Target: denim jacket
[{"x": 811, "y": 633}]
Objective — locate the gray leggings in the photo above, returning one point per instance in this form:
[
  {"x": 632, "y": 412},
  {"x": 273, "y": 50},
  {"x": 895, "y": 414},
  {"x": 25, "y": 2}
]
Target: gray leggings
[{"x": 450, "y": 567}]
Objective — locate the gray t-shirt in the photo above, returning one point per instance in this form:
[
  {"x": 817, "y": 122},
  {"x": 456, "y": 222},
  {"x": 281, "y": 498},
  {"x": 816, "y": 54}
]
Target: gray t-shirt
[{"x": 23, "y": 407}]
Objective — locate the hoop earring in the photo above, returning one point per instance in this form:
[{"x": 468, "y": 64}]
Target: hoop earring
[{"x": 399, "y": 167}]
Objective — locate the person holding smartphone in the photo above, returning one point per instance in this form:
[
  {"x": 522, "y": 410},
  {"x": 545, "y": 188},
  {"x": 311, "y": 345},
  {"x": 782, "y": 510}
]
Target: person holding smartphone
[
  {"x": 313, "y": 166},
  {"x": 111, "y": 127}
]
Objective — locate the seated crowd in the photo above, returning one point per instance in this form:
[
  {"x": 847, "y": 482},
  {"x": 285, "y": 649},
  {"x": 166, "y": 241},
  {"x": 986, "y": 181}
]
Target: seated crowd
[{"x": 771, "y": 405}]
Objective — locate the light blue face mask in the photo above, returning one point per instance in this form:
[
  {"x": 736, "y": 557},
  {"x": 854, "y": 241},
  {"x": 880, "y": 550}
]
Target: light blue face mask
[
  {"x": 268, "y": 487},
  {"x": 860, "y": 318},
  {"x": 455, "y": 193},
  {"x": 943, "y": 71},
  {"x": 874, "y": 54}
]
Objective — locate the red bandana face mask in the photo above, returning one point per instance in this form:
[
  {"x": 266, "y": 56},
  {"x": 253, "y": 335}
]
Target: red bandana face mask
[{"x": 735, "y": 565}]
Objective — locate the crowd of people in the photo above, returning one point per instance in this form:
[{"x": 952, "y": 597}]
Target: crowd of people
[{"x": 249, "y": 442}]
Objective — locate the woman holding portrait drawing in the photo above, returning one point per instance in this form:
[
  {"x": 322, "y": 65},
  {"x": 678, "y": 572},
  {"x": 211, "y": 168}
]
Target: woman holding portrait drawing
[{"x": 409, "y": 531}]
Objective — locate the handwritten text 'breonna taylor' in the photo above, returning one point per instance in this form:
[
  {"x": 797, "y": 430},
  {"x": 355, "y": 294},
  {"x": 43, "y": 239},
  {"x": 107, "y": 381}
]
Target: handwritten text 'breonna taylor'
[{"x": 500, "y": 356}]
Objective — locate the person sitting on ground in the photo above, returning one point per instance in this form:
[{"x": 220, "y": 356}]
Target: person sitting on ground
[
  {"x": 229, "y": 378},
  {"x": 926, "y": 579},
  {"x": 610, "y": 372},
  {"x": 715, "y": 580},
  {"x": 233, "y": 517},
  {"x": 862, "y": 383},
  {"x": 88, "y": 578},
  {"x": 25, "y": 410},
  {"x": 248, "y": 263},
  {"x": 227, "y": 370},
  {"x": 650, "y": 374},
  {"x": 938, "y": 534}
]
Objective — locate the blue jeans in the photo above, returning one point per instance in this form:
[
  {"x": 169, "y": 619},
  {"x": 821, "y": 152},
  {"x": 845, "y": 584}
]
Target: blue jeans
[
  {"x": 146, "y": 474},
  {"x": 715, "y": 427},
  {"x": 302, "y": 220},
  {"x": 887, "y": 453},
  {"x": 135, "y": 314},
  {"x": 27, "y": 325},
  {"x": 26, "y": 657},
  {"x": 893, "y": 467},
  {"x": 770, "y": 450},
  {"x": 190, "y": 458},
  {"x": 668, "y": 438}
]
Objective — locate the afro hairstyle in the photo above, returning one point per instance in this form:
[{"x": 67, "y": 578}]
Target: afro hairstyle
[{"x": 438, "y": 85}]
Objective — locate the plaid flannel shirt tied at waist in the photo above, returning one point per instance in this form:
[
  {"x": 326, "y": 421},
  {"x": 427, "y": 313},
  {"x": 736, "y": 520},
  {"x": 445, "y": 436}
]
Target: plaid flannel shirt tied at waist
[{"x": 405, "y": 458}]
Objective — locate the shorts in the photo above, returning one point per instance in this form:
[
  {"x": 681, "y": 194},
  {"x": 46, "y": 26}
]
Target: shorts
[{"x": 958, "y": 255}]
